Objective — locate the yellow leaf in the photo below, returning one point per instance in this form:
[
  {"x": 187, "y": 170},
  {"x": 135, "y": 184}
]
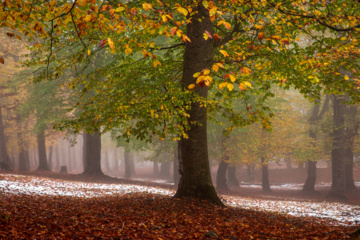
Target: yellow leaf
[
  {"x": 227, "y": 25},
  {"x": 164, "y": 18},
  {"x": 146, "y": 6},
  {"x": 232, "y": 78},
  {"x": 156, "y": 63},
  {"x": 222, "y": 85},
  {"x": 215, "y": 67},
  {"x": 196, "y": 74},
  {"x": 220, "y": 65},
  {"x": 224, "y": 53},
  {"x": 346, "y": 77},
  {"x": 128, "y": 51},
  {"x": 83, "y": 3},
  {"x": 200, "y": 79},
  {"x": 247, "y": 84},
  {"x": 191, "y": 86},
  {"x": 120, "y": 9},
  {"x": 258, "y": 26},
  {"x": 206, "y": 72},
  {"x": 206, "y": 37},
  {"x": 87, "y": 18},
  {"x": 242, "y": 86},
  {"x": 182, "y": 11},
  {"x": 111, "y": 43},
  {"x": 230, "y": 86},
  {"x": 88, "y": 52}
]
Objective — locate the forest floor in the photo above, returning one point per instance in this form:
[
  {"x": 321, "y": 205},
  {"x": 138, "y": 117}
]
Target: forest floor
[{"x": 43, "y": 205}]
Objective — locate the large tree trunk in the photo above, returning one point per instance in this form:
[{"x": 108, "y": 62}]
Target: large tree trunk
[
  {"x": 265, "y": 176},
  {"x": 92, "y": 154},
  {"x": 231, "y": 174},
  {"x": 127, "y": 161},
  {"x": 4, "y": 156},
  {"x": 43, "y": 164},
  {"x": 195, "y": 180},
  {"x": 221, "y": 177},
  {"x": 338, "y": 151}
]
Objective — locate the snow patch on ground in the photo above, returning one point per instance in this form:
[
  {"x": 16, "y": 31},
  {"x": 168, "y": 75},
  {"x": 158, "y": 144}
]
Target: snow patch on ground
[{"x": 337, "y": 212}]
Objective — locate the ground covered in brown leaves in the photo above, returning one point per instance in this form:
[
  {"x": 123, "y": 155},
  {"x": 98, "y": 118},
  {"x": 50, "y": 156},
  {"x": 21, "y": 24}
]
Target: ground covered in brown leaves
[{"x": 148, "y": 216}]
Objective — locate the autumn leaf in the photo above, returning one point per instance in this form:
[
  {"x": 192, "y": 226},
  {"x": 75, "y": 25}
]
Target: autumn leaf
[
  {"x": 223, "y": 52},
  {"x": 245, "y": 70},
  {"x": 120, "y": 9},
  {"x": 147, "y": 6},
  {"x": 111, "y": 44},
  {"x": 230, "y": 86},
  {"x": 102, "y": 42},
  {"x": 222, "y": 85},
  {"x": 87, "y": 18},
  {"x": 208, "y": 34},
  {"x": 346, "y": 77},
  {"x": 2, "y": 60},
  {"x": 232, "y": 78},
  {"x": 191, "y": 86},
  {"x": 156, "y": 63},
  {"x": 261, "y": 36},
  {"x": 182, "y": 11},
  {"x": 242, "y": 86}
]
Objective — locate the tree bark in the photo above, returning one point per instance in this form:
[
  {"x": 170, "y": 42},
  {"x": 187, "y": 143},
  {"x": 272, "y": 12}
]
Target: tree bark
[
  {"x": 51, "y": 164},
  {"x": 43, "y": 164},
  {"x": 195, "y": 180},
  {"x": 23, "y": 147},
  {"x": 338, "y": 151},
  {"x": 221, "y": 177},
  {"x": 165, "y": 170},
  {"x": 231, "y": 174},
  {"x": 176, "y": 165},
  {"x": 315, "y": 117},
  {"x": 156, "y": 169},
  {"x": 265, "y": 176},
  {"x": 351, "y": 132},
  {"x": 127, "y": 161},
  {"x": 92, "y": 154},
  {"x": 250, "y": 173},
  {"x": 309, "y": 185},
  {"x": 4, "y": 156}
]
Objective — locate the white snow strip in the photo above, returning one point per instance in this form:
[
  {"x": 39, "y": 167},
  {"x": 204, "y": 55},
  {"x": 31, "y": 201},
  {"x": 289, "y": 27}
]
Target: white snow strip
[{"x": 17, "y": 184}]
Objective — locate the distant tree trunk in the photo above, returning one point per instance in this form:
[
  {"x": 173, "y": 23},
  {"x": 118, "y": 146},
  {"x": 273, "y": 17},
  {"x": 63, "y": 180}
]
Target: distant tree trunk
[
  {"x": 4, "y": 156},
  {"x": 23, "y": 148},
  {"x": 265, "y": 176},
  {"x": 165, "y": 170},
  {"x": 106, "y": 162},
  {"x": 70, "y": 160},
  {"x": 127, "y": 161},
  {"x": 92, "y": 154},
  {"x": 338, "y": 151},
  {"x": 221, "y": 177},
  {"x": 43, "y": 164},
  {"x": 288, "y": 164},
  {"x": 231, "y": 174},
  {"x": 309, "y": 185},
  {"x": 351, "y": 132},
  {"x": 221, "y": 181},
  {"x": 116, "y": 161},
  {"x": 250, "y": 173},
  {"x": 51, "y": 164},
  {"x": 315, "y": 117},
  {"x": 57, "y": 157},
  {"x": 176, "y": 165},
  {"x": 156, "y": 169}
]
